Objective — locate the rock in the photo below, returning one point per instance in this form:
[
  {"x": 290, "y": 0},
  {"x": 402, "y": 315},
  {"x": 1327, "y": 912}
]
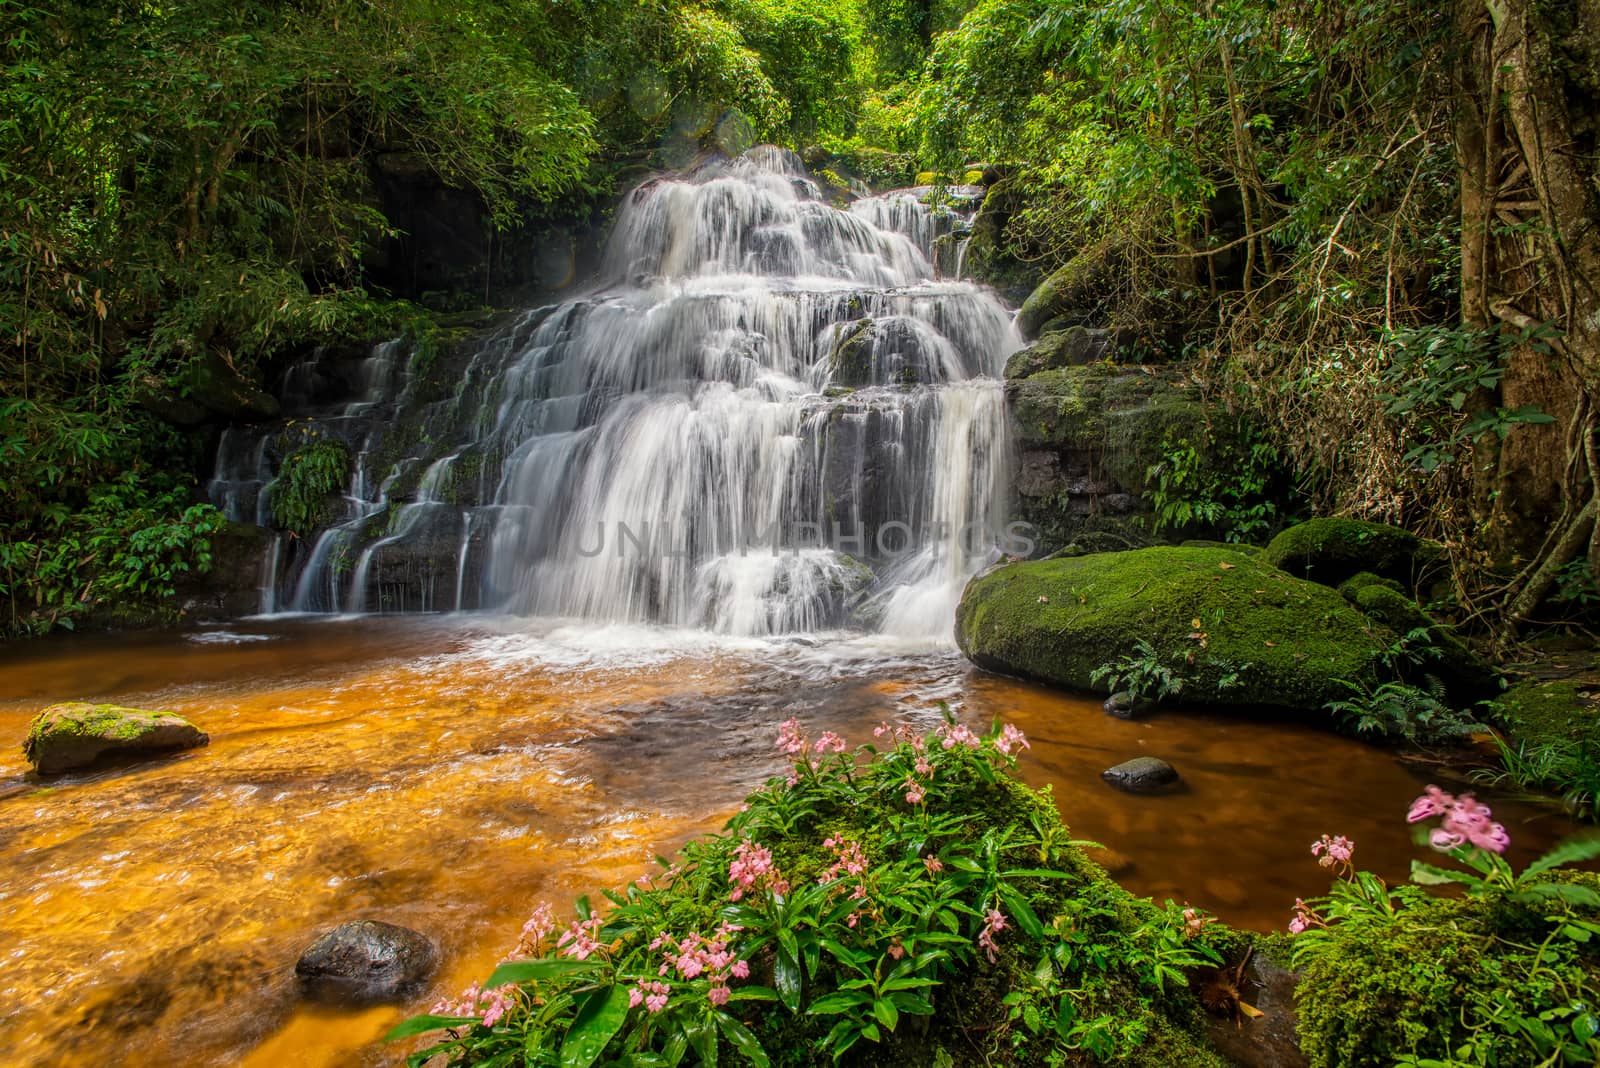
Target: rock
[
  {"x": 1142, "y": 775},
  {"x": 1074, "y": 346},
  {"x": 1330, "y": 551},
  {"x": 366, "y": 961},
  {"x": 1124, "y": 705},
  {"x": 1072, "y": 292},
  {"x": 1467, "y": 676},
  {"x": 76, "y": 734},
  {"x": 1267, "y": 1041},
  {"x": 1237, "y": 632}
]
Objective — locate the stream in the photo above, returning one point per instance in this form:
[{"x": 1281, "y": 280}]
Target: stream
[{"x": 448, "y": 773}]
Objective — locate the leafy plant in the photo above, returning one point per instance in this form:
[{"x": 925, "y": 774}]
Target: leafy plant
[
  {"x": 856, "y": 893},
  {"x": 311, "y": 473},
  {"x": 1399, "y": 710},
  {"x": 1230, "y": 484},
  {"x": 1141, "y": 674}
]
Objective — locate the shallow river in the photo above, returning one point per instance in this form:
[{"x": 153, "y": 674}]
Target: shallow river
[{"x": 448, "y": 775}]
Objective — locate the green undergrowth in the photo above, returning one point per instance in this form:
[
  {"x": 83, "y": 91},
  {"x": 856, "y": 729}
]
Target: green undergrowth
[{"x": 914, "y": 905}]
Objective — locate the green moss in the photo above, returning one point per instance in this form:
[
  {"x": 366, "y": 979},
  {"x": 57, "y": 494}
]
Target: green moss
[
  {"x": 1332, "y": 550},
  {"x": 1469, "y": 677},
  {"x": 1552, "y": 713},
  {"x": 82, "y": 719},
  {"x": 1238, "y": 631},
  {"x": 850, "y": 363},
  {"x": 1362, "y": 579},
  {"x": 1425, "y": 983},
  {"x": 310, "y": 475}
]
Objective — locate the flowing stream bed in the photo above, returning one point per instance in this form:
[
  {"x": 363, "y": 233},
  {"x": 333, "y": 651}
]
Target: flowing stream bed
[{"x": 448, "y": 773}]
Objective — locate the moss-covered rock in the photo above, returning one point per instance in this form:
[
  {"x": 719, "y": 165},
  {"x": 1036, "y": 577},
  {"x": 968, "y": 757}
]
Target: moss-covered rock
[
  {"x": 73, "y": 735},
  {"x": 1237, "y": 631},
  {"x": 1444, "y": 973},
  {"x": 1068, "y": 293},
  {"x": 1553, "y": 712},
  {"x": 1350, "y": 587},
  {"x": 1074, "y": 346},
  {"x": 1330, "y": 551},
  {"x": 1467, "y": 676}
]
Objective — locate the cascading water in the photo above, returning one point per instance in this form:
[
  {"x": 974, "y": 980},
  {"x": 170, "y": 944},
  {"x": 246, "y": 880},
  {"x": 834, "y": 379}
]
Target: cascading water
[{"x": 767, "y": 417}]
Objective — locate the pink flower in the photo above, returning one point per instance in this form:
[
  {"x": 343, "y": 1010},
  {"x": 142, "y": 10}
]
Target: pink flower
[
  {"x": 1297, "y": 924},
  {"x": 1194, "y": 921},
  {"x": 581, "y": 940},
  {"x": 829, "y": 743},
  {"x": 495, "y": 1004},
  {"x": 1333, "y": 851},
  {"x": 1464, "y": 821},
  {"x": 993, "y": 924},
  {"x": 958, "y": 734},
  {"x": 752, "y": 866},
  {"x": 740, "y": 969},
  {"x": 881, "y": 729},
  {"x": 790, "y": 740},
  {"x": 652, "y": 995},
  {"x": 539, "y": 925},
  {"x": 933, "y": 864},
  {"x": 1011, "y": 738},
  {"x": 1433, "y": 802},
  {"x": 896, "y": 950},
  {"x": 914, "y": 791},
  {"x": 923, "y": 767},
  {"x": 1304, "y": 917}
]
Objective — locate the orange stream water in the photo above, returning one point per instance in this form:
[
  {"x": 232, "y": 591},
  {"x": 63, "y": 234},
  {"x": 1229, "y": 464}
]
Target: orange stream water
[{"x": 447, "y": 776}]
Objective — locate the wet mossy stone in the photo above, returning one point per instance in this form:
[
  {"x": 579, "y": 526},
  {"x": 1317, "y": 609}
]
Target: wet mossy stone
[
  {"x": 1074, "y": 346},
  {"x": 1361, "y": 580},
  {"x": 1553, "y": 712},
  {"x": 1330, "y": 551},
  {"x": 76, "y": 734},
  {"x": 1467, "y": 676},
  {"x": 366, "y": 961},
  {"x": 1264, "y": 639}
]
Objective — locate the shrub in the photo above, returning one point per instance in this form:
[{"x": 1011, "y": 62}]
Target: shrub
[{"x": 918, "y": 899}]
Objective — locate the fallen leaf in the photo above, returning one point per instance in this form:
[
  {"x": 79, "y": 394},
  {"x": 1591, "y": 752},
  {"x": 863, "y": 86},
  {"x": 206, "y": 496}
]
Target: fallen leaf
[
  {"x": 1272, "y": 645},
  {"x": 1251, "y": 1011},
  {"x": 1227, "y": 567}
]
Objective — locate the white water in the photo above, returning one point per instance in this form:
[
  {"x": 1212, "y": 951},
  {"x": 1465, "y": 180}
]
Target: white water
[{"x": 768, "y": 417}]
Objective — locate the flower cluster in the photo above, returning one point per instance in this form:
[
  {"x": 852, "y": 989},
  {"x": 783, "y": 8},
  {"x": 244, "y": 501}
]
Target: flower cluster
[
  {"x": 829, "y": 743},
  {"x": 1464, "y": 822},
  {"x": 1194, "y": 921},
  {"x": 954, "y": 734},
  {"x": 791, "y": 742},
  {"x": 1304, "y": 916},
  {"x": 852, "y": 861},
  {"x": 1333, "y": 852},
  {"x": 1011, "y": 738},
  {"x": 993, "y": 924},
  {"x": 752, "y": 868},
  {"x": 652, "y": 995},
  {"x": 582, "y": 939},
  {"x": 489, "y": 1005},
  {"x": 914, "y": 791},
  {"x": 539, "y": 927},
  {"x": 695, "y": 955}
]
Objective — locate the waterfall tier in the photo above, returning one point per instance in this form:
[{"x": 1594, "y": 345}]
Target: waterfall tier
[{"x": 768, "y": 416}]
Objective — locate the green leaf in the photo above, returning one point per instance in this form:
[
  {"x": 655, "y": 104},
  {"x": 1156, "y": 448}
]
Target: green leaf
[
  {"x": 833, "y": 1004},
  {"x": 531, "y": 971},
  {"x": 600, "y": 1018},
  {"x": 743, "y": 1041},
  {"x": 421, "y": 1025},
  {"x": 786, "y": 975},
  {"x": 1571, "y": 851},
  {"x": 1428, "y": 875}
]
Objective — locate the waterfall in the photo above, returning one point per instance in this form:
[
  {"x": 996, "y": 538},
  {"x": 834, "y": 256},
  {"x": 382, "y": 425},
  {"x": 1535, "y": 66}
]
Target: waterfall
[{"x": 766, "y": 416}]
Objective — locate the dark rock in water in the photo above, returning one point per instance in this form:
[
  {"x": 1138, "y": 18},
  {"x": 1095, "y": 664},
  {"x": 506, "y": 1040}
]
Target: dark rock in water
[
  {"x": 1142, "y": 775},
  {"x": 366, "y": 961},
  {"x": 77, "y": 733},
  {"x": 1124, "y": 705}
]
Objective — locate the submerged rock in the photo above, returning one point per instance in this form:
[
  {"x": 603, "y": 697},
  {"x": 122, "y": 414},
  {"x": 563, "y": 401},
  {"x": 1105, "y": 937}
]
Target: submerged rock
[
  {"x": 366, "y": 961},
  {"x": 1142, "y": 775},
  {"x": 78, "y": 733},
  {"x": 1124, "y": 705},
  {"x": 1235, "y": 631}
]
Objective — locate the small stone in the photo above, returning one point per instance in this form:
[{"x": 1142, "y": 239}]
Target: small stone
[
  {"x": 1123, "y": 705},
  {"x": 76, "y": 734},
  {"x": 1142, "y": 775},
  {"x": 366, "y": 961}
]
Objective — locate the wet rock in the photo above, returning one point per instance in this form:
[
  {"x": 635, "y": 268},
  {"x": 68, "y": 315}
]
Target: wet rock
[
  {"x": 77, "y": 733},
  {"x": 1142, "y": 775},
  {"x": 1241, "y": 634},
  {"x": 366, "y": 961},
  {"x": 1124, "y": 705},
  {"x": 1267, "y": 1041}
]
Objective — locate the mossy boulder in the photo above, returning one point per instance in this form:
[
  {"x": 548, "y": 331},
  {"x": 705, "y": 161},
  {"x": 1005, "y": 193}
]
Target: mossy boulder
[
  {"x": 1442, "y": 973},
  {"x": 1122, "y": 417},
  {"x": 1330, "y": 551},
  {"x": 1554, "y": 712},
  {"x": 1072, "y": 292},
  {"x": 1467, "y": 676},
  {"x": 1235, "y": 630},
  {"x": 76, "y": 734},
  {"x": 1074, "y": 346}
]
